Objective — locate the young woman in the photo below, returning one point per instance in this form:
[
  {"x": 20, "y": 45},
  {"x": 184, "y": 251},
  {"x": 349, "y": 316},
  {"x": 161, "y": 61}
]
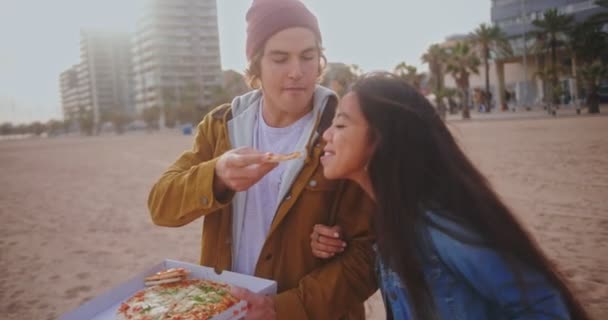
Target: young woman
[{"x": 447, "y": 247}]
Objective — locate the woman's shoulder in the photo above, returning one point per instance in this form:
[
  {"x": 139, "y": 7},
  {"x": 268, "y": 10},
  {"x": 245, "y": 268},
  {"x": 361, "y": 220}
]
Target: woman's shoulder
[
  {"x": 456, "y": 243},
  {"x": 446, "y": 224},
  {"x": 452, "y": 238}
]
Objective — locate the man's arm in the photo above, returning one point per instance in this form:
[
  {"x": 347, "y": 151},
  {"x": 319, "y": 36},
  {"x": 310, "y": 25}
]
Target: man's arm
[
  {"x": 185, "y": 191},
  {"x": 198, "y": 184},
  {"x": 349, "y": 279}
]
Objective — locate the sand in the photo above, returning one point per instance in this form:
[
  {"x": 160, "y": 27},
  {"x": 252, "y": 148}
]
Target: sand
[{"x": 74, "y": 221}]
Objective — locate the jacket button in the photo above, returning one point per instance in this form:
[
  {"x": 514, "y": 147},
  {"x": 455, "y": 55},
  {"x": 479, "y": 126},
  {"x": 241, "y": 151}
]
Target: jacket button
[
  {"x": 268, "y": 256},
  {"x": 288, "y": 197},
  {"x": 204, "y": 201},
  {"x": 312, "y": 183}
]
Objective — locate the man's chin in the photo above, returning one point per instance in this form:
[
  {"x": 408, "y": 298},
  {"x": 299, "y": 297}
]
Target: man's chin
[{"x": 296, "y": 103}]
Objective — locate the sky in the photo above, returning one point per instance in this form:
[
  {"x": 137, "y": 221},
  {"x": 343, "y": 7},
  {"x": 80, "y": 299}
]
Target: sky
[{"x": 39, "y": 39}]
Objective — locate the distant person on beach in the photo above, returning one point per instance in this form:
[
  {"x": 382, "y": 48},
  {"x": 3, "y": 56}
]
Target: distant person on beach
[
  {"x": 447, "y": 246},
  {"x": 257, "y": 213},
  {"x": 511, "y": 99}
]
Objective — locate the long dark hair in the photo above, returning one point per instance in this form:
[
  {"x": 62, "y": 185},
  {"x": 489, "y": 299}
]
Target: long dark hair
[{"x": 417, "y": 163}]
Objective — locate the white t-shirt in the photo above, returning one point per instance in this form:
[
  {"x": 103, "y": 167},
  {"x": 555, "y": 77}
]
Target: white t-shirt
[{"x": 262, "y": 198}]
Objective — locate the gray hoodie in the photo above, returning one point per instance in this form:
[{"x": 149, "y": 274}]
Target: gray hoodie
[{"x": 240, "y": 131}]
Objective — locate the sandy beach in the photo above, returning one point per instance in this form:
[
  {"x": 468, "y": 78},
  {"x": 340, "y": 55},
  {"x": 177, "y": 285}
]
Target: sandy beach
[{"x": 74, "y": 220}]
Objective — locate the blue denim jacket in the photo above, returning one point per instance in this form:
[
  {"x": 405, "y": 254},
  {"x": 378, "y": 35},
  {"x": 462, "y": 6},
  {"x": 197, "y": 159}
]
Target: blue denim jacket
[{"x": 470, "y": 282}]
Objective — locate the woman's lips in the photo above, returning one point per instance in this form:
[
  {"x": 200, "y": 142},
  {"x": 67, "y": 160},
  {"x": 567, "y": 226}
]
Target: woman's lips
[{"x": 327, "y": 155}]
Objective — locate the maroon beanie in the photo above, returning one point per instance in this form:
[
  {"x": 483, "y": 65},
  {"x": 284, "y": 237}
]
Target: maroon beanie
[{"x": 267, "y": 17}]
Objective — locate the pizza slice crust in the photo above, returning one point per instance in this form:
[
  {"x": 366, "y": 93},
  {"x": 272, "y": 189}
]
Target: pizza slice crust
[{"x": 284, "y": 157}]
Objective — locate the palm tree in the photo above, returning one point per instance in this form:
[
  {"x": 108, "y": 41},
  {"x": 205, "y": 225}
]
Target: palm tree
[
  {"x": 218, "y": 95},
  {"x": 409, "y": 74},
  {"x": 356, "y": 70},
  {"x": 461, "y": 62},
  {"x": 339, "y": 76},
  {"x": 85, "y": 121},
  {"x": 234, "y": 83},
  {"x": 446, "y": 95},
  {"x": 552, "y": 28},
  {"x": 150, "y": 116},
  {"x": 589, "y": 46},
  {"x": 119, "y": 119},
  {"x": 490, "y": 39},
  {"x": 600, "y": 17},
  {"x": 539, "y": 50},
  {"x": 592, "y": 74},
  {"x": 436, "y": 56}
]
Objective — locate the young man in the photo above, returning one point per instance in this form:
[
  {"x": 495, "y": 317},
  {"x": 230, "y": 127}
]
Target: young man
[{"x": 258, "y": 214}]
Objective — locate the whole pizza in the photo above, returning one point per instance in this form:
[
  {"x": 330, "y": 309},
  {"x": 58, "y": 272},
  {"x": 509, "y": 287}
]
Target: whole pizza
[{"x": 180, "y": 299}]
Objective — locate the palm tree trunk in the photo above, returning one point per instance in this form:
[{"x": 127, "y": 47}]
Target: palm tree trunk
[
  {"x": 486, "y": 95},
  {"x": 465, "y": 103},
  {"x": 577, "y": 84},
  {"x": 593, "y": 99},
  {"x": 463, "y": 84},
  {"x": 441, "y": 108},
  {"x": 553, "y": 98}
]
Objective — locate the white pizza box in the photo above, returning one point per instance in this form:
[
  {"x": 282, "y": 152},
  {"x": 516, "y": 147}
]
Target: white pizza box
[{"x": 104, "y": 307}]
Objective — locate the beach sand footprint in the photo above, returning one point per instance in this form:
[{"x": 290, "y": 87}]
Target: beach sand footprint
[
  {"x": 75, "y": 291},
  {"x": 83, "y": 275}
]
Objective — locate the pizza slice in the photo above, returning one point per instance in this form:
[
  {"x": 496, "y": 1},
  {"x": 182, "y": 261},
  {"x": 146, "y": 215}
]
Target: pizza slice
[
  {"x": 208, "y": 298},
  {"x": 167, "y": 276},
  {"x": 284, "y": 157}
]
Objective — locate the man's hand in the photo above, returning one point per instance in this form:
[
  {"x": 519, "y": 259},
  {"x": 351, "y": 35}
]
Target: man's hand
[
  {"x": 239, "y": 169},
  {"x": 258, "y": 306},
  {"x": 326, "y": 241}
]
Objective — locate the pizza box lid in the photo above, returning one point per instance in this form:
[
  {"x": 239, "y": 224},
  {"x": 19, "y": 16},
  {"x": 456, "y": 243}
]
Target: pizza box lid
[{"x": 104, "y": 306}]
